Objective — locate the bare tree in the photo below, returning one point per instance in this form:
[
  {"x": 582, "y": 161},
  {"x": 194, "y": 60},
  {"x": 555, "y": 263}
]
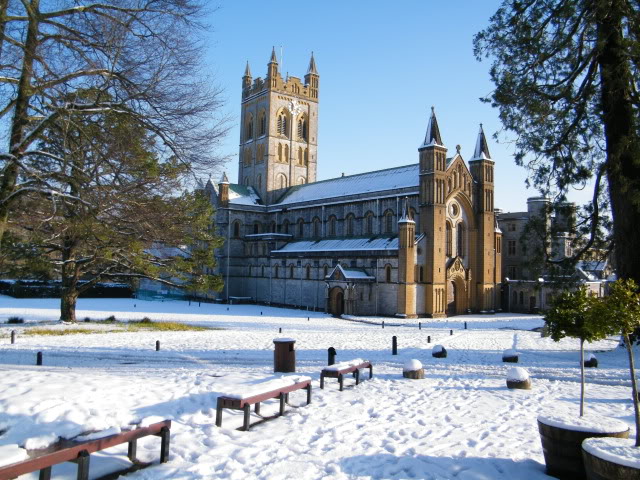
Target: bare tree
[{"x": 141, "y": 58}]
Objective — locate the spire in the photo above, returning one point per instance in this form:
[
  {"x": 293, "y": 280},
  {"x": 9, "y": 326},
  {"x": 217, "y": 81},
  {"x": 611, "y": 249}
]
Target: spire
[
  {"x": 247, "y": 70},
  {"x": 482, "y": 150},
  {"x": 224, "y": 179},
  {"x": 273, "y": 59},
  {"x": 312, "y": 66},
  {"x": 406, "y": 215},
  {"x": 433, "y": 132}
]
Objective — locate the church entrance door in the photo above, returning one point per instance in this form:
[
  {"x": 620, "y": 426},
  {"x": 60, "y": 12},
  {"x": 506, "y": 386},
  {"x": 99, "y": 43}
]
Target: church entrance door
[
  {"x": 336, "y": 301},
  {"x": 451, "y": 299}
]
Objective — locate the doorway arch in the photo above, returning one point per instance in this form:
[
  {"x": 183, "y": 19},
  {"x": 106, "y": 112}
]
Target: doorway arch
[{"x": 336, "y": 301}]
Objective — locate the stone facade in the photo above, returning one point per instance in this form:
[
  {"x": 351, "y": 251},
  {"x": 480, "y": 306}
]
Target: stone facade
[{"x": 415, "y": 240}]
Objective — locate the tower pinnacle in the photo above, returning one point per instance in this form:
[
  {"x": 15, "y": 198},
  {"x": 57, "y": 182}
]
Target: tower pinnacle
[
  {"x": 432, "y": 136},
  {"x": 482, "y": 149},
  {"x": 312, "y": 66}
]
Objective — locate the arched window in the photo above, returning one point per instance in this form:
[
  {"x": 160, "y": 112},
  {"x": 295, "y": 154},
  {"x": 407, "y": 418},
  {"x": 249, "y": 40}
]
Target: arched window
[
  {"x": 290, "y": 271},
  {"x": 521, "y": 298},
  {"x": 449, "y": 241},
  {"x": 260, "y": 154},
  {"x": 259, "y": 182},
  {"x": 256, "y": 227},
  {"x": 460, "y": 243},
  {"x": 286, "y": 154},
  {"x": 514, "y": 298},
  {"x": 350, "y": 220},
  {"x": 236, "y": 229},
  {"x": 272, "y": 227},
  {"x": 368, "y": 223},
  {"x": 306, "y": 157},
  {"x": 387, "y": 273},
  {"x": 316, "y": 227},
  {"x": 248, "y": 129},
  {"x": 282, "y": 124},
  {"x": 300, "y": 227},
  {"x": 247, "y": 157},
  {"x": 302, "y": 128},
  {"x": 262, "y": 122},
  {"x": 388, "y": 222},
  {"x": 246, "y": 181},
  {"x": 285, "y": 226},
  {"x": 281, "y": 181},
  {"x": 308, "y": 272},
  {"x": 262, "y": 271},
  {"x": 301, "y": 181},
  {"x": 280, "y": 152},
  {"x": 332, "y": 226}
]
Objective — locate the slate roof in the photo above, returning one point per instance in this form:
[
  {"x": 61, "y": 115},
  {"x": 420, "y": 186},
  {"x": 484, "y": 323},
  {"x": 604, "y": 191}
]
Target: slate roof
[
  {"x": 378, "y": 181},
  {"x": 355, "y": 244},
  {"x": 243, "y": 195}
]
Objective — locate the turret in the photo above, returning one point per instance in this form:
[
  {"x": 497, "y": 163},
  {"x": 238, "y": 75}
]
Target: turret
[
  {"x": 312, "y": 78},
  {"x": 406, "y": 264},
  {"x": 223, "y": 187},
  {"x": 272, "y": 69},
  {"x": 246, "y": 79},
  {"x": 433, "y": 164}
]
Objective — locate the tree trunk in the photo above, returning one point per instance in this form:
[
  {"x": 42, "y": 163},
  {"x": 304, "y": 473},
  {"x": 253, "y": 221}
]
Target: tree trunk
[
  {"x": 3, "y": 12},
  {"x": 68, "y": 302},
  {"x": 634, "y": 386},
  {"x": 621, "y": 137},
  {"x": 70, "y": 274},
  {"x": 21, "y": 115},
  {"x": 581, "y": 377}
]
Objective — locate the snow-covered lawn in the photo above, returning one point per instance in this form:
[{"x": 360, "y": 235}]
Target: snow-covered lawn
[{"x": 459, "y": 422}]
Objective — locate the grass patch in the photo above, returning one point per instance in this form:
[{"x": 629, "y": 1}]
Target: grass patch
[
  {"x": 58, "y": 333},
  {"x": 146, "y": 324}
]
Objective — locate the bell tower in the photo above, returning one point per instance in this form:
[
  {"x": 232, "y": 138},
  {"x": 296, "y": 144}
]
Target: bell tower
[
  {"x": 481, "y": 167},
  {"x": 279, "y": 130},
  {"x": 433, "y": 165}
]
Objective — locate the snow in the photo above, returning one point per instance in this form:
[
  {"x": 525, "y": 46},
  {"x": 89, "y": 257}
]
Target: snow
[
  {"x": 342, "y": 365},
  {"x": 509, "y": 352},
  {"x": 283, "y": 340},
  {"x": 460, "y": 422},
  {"x": 412, "y": 365},
  {"x": 586, "y": 423},
  {"x": 618, "y": 450},
  {"x": 589, "y": 356},
  {"x": 437, "y": 349},
  {"x": 11, "y": 453},
  {"x": 517, "y": 374},
  {"x": 96, "y": 435}
]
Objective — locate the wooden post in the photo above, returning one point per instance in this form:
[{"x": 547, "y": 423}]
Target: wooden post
[
  {"x": 332, "y": 355},
  {"x": 247, "y": 414},
  {"x": 157, "y": 345},
  {"x": 165, "y": 438},
  {"x": 428, "y": 338},
  {"x": 39, "y": 358},
  {"x": 419, "y": 325},
  {"x": 450, "y": 332},
  {"x": 280, "y": 330},
  {"x": 83, "y": 465},
  {"x": 465, "y": 325},
  {"x": 45, "y": 474},
  {"x": 13, "y": 337},
  {"x": 132, "y": 450},
  {"x": 394, "y": 345},
  {"x": 382, "y": 323}
]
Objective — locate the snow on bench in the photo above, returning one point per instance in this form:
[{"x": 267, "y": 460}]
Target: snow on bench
[
  {"x": 78, "y": 450},
  {"x": 338, "y": 370},
  {"x": 275, "y": 387}
]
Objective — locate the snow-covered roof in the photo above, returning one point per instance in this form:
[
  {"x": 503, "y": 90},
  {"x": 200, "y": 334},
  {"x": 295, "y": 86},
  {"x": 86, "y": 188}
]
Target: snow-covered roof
[
  {"x": 342, "y": 245},
  {"x": 167, "y": 252},
  {"x": 377, "y": 181},
  {"x": 243, "y": 195},
  {"x": 340, "y": 273}
]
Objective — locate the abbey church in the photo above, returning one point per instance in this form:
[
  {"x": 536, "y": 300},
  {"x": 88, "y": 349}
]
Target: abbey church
[{"x": 419, "y": 240}]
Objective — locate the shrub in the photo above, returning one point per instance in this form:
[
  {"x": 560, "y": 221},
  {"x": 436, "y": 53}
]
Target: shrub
[
  {"x": 145, "y": 320},
  {"x": 15, "y": 320},
  {"x": 87, "y": 319},
  {"x": 111, "y": 319}
]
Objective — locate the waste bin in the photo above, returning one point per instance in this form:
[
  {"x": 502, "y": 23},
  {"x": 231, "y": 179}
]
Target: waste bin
[{"x": 284, "y": 355}]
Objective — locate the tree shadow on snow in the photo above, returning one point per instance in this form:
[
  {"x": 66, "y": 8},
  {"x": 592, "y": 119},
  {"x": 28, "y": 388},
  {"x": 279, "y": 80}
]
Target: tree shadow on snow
[{"x": 392, "y": 467}]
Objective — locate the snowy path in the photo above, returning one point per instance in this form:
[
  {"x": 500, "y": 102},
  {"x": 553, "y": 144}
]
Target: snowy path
[{"x": 460, "y": 422}]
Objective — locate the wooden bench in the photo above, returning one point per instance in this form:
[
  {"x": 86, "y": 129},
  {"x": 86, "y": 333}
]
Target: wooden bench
[
  {"x": 255, "y": 396},
  {"x": 340, "y": 369},
  {"x": 79, "y": 452}
]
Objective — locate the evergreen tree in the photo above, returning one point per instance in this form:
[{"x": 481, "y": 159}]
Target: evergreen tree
[{"x": 566, "y": 74}]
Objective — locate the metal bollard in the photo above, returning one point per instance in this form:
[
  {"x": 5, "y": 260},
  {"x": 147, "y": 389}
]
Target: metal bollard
[
  {"x": 13, "y": 337},
  {"x": 419, "y": 325},
  {"x": 157, "y": 345},
  {"x": 465, "y": 325},
  {"x": 382, "y": 323},
  {"x": 428, "y": 338},
  {"x": 39, "y": 358},
  {"x": 394, "y": 345},
  {"x": 450, "y": 332},
  {"x": 280, "y": 330},
  {"x": 331, "y": 352}
]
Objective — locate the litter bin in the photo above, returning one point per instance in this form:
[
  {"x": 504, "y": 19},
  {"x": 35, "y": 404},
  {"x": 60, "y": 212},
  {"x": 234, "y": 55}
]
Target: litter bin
[{"x": 284, "y": 355}]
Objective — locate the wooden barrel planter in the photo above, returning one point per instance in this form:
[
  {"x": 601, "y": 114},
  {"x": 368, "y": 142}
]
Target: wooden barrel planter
[
  {"x": 518, "y": 378},
  {"x": 510, "y": 356},
  {"x": 591, "y": 361},
  {"x": 562, "y": 444},
  {"x": 413, "y": 369},
  {"x": 598, "y": 468},
  {"x": 439, "y": 352}
]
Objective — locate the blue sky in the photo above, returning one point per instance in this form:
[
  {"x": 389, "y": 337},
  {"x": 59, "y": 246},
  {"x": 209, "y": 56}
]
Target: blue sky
[{"x": 382, "y": 66}]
